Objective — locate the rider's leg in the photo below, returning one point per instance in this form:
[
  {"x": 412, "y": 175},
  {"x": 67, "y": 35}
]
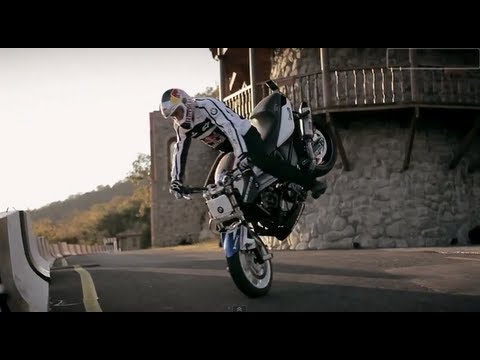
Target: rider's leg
[{"x": 279, "y": 168}]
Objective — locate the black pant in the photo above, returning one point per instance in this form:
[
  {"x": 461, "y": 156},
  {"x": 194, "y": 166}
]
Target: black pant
[{"x": 279, "y": 168}]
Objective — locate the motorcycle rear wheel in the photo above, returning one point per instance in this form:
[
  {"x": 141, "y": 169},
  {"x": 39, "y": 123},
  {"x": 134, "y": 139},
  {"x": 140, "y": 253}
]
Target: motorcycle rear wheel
[
  {"x": 326, "y": 164},
  {"x": 251, "y": 276}
]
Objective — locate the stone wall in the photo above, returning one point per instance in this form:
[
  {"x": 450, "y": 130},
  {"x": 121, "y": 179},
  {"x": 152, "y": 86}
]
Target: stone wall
[
  {"x": 176, "y": 221},
  {"x": 294, "y": 61},
  {"x": 357, "y": 58},
  {"x": 378, "y": 205},
  {"x": 346, "y": 65},
  {"x": 374, "y": 205},
  {"x": 298, "y": 61}
]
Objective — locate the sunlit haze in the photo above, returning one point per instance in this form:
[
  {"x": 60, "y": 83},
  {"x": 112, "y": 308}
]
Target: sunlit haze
[{"x": 74, "y": 119}]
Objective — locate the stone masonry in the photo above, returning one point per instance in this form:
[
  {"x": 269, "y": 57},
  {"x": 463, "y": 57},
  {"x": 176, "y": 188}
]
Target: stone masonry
[
  {"x": 176, "y": 221},
  {"x": 298, "y": 61},
  {"x": 346, "y": 64},
  {"x": 378, "y": 205}
]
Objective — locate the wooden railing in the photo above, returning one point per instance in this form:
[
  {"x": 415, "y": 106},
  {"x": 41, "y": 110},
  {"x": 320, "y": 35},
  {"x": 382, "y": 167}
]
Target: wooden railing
[
  {"x": 380, "y": 86},
  {"x": 240, "y": 101},
  {"x": 360, "y": 88}
]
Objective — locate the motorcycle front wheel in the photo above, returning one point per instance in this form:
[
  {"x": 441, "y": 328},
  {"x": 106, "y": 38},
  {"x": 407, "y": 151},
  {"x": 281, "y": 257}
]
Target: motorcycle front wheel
[{"x": 251, "y": 274}]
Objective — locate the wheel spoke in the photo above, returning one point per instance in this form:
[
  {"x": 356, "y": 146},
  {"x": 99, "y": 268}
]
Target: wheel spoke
[{"x": 257, "y": 274}]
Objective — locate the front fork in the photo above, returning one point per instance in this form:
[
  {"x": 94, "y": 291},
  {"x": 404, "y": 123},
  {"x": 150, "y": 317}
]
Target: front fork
[
  {"x": 240, "y": 238},
  {"x": 304, "y": 133}
]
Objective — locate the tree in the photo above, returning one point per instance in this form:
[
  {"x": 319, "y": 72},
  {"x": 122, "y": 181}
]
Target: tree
[
  {"x": 94, "y": 215},
  {"x": 118, "y": 220},
  {"x": 209, "y": 92},
  {"x": 46, "y": 228},
  {"x": 141, "y": 169},
  {"x": 140, "y": 176}
]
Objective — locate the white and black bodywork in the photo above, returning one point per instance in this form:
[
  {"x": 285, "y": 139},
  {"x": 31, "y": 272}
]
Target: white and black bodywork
[{"x": 249, "y": 203}]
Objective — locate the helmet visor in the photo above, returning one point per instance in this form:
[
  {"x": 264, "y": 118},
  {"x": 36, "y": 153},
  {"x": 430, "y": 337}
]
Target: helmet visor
[{"x": 179, "y": 113}]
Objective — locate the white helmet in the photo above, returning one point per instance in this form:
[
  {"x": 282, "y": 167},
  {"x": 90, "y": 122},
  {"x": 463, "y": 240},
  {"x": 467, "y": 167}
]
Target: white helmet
[{"x": 177, "y": 104}]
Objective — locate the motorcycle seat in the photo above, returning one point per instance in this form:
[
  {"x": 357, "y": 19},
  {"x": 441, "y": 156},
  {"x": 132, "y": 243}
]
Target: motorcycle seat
[{"x": 265, "y": 117}]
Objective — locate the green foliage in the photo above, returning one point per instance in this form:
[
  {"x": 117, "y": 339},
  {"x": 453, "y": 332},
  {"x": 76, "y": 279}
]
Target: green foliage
[
  {"x": 60, "y": 210},
  {"x": 141, "y": 177},
  {"x": 141, "y": 170},
  {"x": 105, "y": 212},
  {"x": 209, "y": 92},
  {"x": 45, "y": 228}
]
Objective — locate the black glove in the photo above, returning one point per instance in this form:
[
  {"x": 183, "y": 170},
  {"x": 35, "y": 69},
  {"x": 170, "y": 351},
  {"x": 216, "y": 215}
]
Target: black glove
[{"x": 176, "y": 188}]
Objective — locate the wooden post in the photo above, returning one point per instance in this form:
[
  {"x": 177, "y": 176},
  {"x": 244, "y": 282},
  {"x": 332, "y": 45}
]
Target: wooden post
[
  {"x": 326, "y": 104},
  {"x": 412, "y": 56},
  {"x": 253, "y": 75},
  {"x": 409, "y": 144},
  {"x": 325, "y": 76},
  {"x": 222, "y": 89}
]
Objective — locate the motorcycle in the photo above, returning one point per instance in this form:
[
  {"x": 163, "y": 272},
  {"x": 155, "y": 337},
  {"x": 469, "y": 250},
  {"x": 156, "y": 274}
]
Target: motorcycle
[{"x": 245, "y": 203}]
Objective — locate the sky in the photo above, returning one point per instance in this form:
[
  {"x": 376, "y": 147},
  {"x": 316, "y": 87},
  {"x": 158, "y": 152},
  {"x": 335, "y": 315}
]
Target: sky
[{"x": 75, "y": 119}]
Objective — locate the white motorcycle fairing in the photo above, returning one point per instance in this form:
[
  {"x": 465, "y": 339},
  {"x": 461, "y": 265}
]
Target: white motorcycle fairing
[{"x": 235, "y": 239}]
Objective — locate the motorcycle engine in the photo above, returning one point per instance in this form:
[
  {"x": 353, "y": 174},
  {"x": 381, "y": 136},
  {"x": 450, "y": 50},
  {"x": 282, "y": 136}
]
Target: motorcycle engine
[{"x": 270, "y": 200}]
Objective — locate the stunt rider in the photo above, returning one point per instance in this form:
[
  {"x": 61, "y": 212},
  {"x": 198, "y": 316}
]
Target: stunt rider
[{"x": 218, "y": 126}]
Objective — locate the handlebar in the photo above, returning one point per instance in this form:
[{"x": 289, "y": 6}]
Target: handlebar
[
  {"x": 272, "y": 85},
  {"x": 228, "y": 180},
  {"x": 187, "y": 190},
  {"x": 301, "y": 115}
]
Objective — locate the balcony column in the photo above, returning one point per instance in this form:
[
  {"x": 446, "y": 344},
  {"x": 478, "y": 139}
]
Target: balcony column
[
  {"x": 326, "y": 103},
  {"x": 222, "y": 88},
  {"x": 412, "y": 56},
  {"x": 325, "y": 63},
  {"x": 253, "y": 75}
]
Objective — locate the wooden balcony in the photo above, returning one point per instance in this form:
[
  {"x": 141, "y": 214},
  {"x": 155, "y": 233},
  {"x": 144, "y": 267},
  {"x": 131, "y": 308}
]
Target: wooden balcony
[
  {"x": 373, "y": 88},
  {"x": 241, "y": 101},
  {"x": 377, "y": 89}
]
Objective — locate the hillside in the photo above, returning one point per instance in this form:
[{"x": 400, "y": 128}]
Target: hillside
[{"x": 60, "y": 210}]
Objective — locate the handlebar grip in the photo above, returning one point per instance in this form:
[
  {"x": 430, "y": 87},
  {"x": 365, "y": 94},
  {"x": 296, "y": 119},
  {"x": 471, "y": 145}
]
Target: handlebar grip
[
  {"x": 272, "y": 85},
  {"x": 193, "y": 190}
]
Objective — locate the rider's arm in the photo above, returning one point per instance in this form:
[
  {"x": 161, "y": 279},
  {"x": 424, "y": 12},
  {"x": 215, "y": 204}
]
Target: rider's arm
[
  {"x": 229, "y": 122},
  {"x": 180, "y": 152}
]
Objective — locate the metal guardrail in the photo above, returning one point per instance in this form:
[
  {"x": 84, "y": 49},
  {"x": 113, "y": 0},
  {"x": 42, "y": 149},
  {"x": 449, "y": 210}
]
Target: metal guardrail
[{"x": 25, "y": 263}]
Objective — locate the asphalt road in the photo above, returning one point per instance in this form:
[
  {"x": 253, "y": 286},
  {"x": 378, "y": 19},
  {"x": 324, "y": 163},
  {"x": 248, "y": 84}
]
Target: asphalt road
[{"x": 194, "y": 279}]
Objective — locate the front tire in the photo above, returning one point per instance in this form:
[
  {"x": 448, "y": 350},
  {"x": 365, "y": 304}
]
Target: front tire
[{"x": 251, "y": 276}]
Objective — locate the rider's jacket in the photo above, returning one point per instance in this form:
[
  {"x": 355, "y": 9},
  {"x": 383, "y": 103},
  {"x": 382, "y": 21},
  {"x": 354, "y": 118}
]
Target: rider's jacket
[{"x": 216, "y": 125}]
